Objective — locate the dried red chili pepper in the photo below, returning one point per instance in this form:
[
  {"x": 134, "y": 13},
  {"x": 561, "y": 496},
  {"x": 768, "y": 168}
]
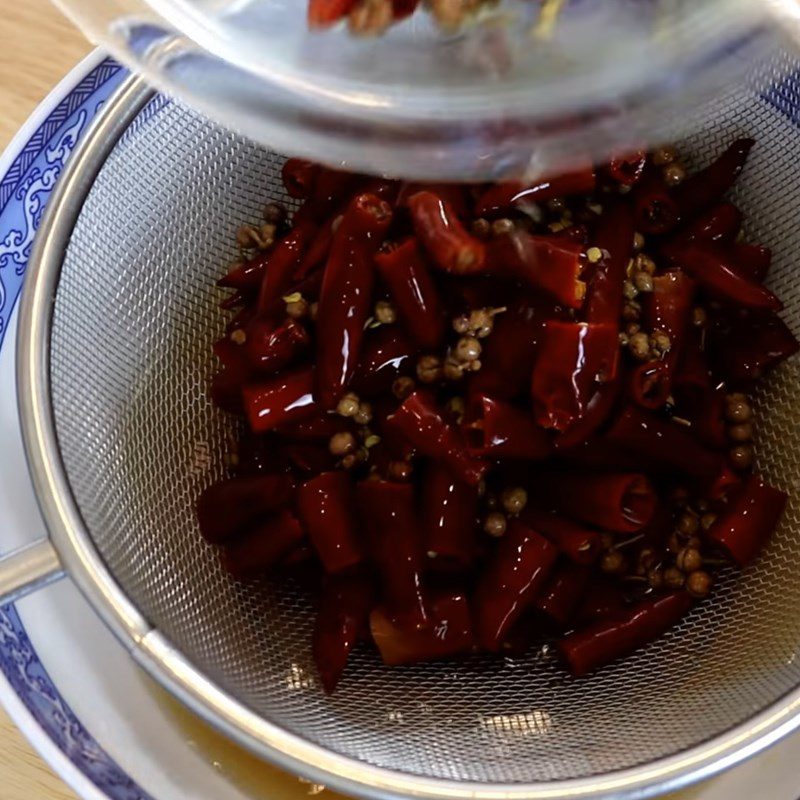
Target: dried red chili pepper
[
  {"x": 607, "y": 640},
  {"x": 502, "y": 197},
  {"x": 421, "y": 423},
  {"x": 515, "y": 574},
  {"x": 706, "y": 187},
  {"x": 752, "y": 515},
  {"x": 342, "y": 618},
  {"x": 346, "y": 296},
  {"x": 439, "y": 231},
  {"x": 280, "y": 400},
  {"x": 413, "y": 292},
  {"x": 573, "y": 360},
  {"x": 260, "y": 549}
]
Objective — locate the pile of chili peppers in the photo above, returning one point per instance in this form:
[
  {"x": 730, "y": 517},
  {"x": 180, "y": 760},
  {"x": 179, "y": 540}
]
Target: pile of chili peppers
[{"x": 473, "y": 416}]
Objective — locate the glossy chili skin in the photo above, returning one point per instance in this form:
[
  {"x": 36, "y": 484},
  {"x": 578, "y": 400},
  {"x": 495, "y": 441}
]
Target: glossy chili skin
[
  {"x": 447, "y": 632},
  {"x": 623, "y": 502},
  {"x": 614, "y": 238},
  {"x": 449, "y": 520},
  {"x": 318, "y": 428},
  {"x": 440, "y": 232},
  {"x": 270, "y": 348},
  {"x": 628, "y": 169},
  {"x": 751, "y": 261},
  {"x": 258, "y": 550},
  {"x": 496, "y": 429},
  {"x": 414, "y": 293},
  {"x": 748, "y": 351},
  {"x": 282, "y": 263},
  {"x": 386, "y": 353},
  {"x": 717, "y": 273},
  {"x": 326, "y": 507},
  {"x": 346, "y": 297},
  {"x": 719, "y": 224},
  {"x": 227, "y": 507},
  {"x": 509, "y": 353},
  {"x": 749, "y": 520},
  {"x": 299, "y": 175},
  {"x": 516, "y": 572},
  {"x": 669, "y": 309},
  {"x": 284, "y": 399},
  {"x": 571, "y": 358},
  {"x": 342, "y": 619},
  {"x": 316, "y": 252},
  {"x": 392, "y": 530},
  {"x": 246, "y": 276},
  {"x": 655, "y": 210},
  {"x": 503, "y": 197},
  {"x": 544, "y": 262},
  {"x": 706, "y": 187},
  {"x": 563, "y": 593},
  {"x": 662, "y": 445},
  {"x": 577, "y": 542},
  {"x": 606, "y": 640},
  {"x": 421, "y": 423}
]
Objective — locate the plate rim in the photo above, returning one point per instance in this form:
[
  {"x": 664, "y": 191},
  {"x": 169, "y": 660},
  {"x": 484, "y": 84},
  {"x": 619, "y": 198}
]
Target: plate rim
[{"x": 66, "y": 767}]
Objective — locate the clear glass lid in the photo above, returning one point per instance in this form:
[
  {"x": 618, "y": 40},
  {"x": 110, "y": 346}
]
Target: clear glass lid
[{"x": 521, "y": 87}]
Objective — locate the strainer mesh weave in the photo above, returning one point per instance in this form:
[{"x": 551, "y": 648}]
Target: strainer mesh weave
[{"x": 135, "y": 316}]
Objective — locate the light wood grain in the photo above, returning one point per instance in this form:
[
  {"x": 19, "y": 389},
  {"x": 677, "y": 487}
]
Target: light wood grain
[{"x": 38, "y": 46}]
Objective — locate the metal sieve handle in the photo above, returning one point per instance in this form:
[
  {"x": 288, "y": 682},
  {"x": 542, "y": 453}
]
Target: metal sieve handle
[{"x": 27, "y": 569}]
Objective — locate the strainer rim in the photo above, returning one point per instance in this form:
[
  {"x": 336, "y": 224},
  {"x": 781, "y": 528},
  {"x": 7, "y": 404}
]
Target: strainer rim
[{"x": 164, "y": 662}]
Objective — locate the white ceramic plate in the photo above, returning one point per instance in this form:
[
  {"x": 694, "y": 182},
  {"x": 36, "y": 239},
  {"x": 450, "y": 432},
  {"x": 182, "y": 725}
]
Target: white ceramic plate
[{"x": 94, "y": 716}]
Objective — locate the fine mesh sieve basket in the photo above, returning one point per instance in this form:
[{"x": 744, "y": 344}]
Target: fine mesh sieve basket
[{"x": 114, "y": 364}]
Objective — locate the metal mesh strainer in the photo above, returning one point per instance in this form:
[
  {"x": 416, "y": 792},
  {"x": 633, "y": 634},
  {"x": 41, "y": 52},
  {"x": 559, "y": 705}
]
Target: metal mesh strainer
[{"x": 121, "y": 440}]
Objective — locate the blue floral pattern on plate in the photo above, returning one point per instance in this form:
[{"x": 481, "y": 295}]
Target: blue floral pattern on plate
[{"x": 24, "y": 192}]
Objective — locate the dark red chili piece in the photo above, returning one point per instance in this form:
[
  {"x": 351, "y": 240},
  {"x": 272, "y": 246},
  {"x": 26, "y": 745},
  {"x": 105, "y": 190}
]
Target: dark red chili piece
[
  {"x": 342, "y": 619},
  {"x": 707, "y": 187},
  {"x": 421, "y": 423},
  {"x": 750, "y": 350},
  {"x": 614, "y": 238},
  {"x": 280, "y": 400},
  {"x": 504, "y": 197},
  {"x": 654, "y": 208},
  {"x": 573, "y": 360},
  {"x": 386, "y": 353},
  {"x": 715, "y": 272},
  {"x": 604, "y": 599},
  {"x": 622, "y": 502},
  {"x": 628, "y": 169},
  {"x": 662, "y": 444},
  {"x": 517, "y": 571},
  {"x": 751, "y": 261},
  {"x": 318, "y": 428},
  {"x": 317, "y": 250},
  {"x": 346, "y": 297},
  {"x": 283, "y": 260},
  {"x": 270, "y": 348},
  {"x": 579, "y": 543},
  {"x": 496, "y": 429},
  {"x": 509, "y": 353},
  {"x": 227, "y": 507},
  {"x": 563, "y": 593},
  {"x": 449, "y": 520},
  {"x": 246, "y": 276},
  {"x": 260, "y": 549},
  {"x": 719, "y": 224},
  {"x": 414, "y": 293},
  {"x": 746, "y": 524},
  {"x": 439, "y": 231},
  {"x": 543, "y": 262},
  {"x": 447, "y": 633},
  {"x": 389, "y": 520},
  {"x": 326, "y": 507},
  {"x": 299, "y": 175},
  {"x": 403, "y": 8},
  {"x": 606, "y": 640}
]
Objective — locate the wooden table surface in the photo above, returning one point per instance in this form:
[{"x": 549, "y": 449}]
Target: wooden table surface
[{"x": 38, "y": 46}]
